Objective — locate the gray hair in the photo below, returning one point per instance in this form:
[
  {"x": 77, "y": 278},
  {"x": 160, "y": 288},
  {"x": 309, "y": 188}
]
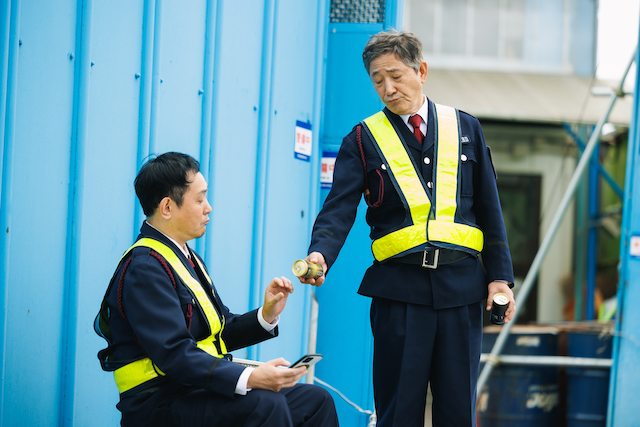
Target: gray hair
[{"x": 404, "y": 44}]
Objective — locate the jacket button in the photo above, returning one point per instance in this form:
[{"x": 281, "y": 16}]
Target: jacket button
[
  {"x": 427, "y": 160},
  {"x": 429, "y": 184},
  {"x": 464, "y": 157},
  {"x": 383, "y": 167}
]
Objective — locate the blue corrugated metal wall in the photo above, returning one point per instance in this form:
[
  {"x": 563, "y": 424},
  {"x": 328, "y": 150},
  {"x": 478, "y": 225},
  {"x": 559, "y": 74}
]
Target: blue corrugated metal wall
[
  {"x": 625, "y": 372},
  {"x": 350, "y": 350},
  {"x": 89, "y": 89},
  {"x": 344, "y": 332}
]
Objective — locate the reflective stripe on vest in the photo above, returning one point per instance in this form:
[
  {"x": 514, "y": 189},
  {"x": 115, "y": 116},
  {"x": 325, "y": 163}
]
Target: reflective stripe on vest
[
  {"x": 140, "y": 371},
  {"x": 441, "y": 227}
]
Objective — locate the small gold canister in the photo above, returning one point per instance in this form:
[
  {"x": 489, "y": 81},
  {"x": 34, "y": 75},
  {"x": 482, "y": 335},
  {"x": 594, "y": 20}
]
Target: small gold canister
[{"x": 307, "y": 270}]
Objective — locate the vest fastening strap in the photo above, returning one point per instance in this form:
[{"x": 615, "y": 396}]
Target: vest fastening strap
[
  {"x": 409, "y": 184},
  {"x": 140, "y": 371}
]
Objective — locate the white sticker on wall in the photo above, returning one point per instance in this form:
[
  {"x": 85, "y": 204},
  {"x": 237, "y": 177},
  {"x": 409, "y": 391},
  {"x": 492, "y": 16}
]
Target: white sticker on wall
[
  {"x": 303, "y": 144},
  {"x": 634, "y": 246}
]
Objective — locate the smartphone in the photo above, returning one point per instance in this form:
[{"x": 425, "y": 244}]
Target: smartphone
[{"x": 307, "y": 360}]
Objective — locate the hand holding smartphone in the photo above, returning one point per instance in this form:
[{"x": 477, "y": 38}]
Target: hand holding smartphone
[{"x": 307, "y": 360}]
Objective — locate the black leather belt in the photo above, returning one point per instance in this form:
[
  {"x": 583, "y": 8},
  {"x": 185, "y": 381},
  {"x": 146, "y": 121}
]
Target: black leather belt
[{"x": 432, "y": 258}]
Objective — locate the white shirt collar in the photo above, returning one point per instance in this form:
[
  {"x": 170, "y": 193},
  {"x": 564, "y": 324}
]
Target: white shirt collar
[
  {"x": 184, "y": 250},
  {"x": 423, "y": 112}
]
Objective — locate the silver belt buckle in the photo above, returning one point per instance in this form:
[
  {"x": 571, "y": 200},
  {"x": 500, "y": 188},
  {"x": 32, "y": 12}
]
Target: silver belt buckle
[{"x": 434, "y": 262}]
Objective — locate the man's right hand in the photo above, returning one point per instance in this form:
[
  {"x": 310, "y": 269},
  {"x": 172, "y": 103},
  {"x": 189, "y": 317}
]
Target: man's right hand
[
  {"x": 269, "y": 377},
  {"x": 318, "y": 258}
]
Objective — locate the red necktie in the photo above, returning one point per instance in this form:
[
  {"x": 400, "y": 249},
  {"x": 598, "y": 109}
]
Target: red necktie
[{"x": 415, "y": 121}]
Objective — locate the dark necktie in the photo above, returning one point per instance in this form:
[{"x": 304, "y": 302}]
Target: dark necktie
[{"x": 415, "y": 121}]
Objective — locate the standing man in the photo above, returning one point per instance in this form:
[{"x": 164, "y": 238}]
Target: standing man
[
  {"x": 439, "y": 240},
  {"x": 169, "y": 332}
]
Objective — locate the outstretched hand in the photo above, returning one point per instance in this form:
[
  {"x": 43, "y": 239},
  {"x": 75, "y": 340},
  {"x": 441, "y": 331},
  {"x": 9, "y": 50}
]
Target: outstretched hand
[
  {"x": 275, "y": 298},
  {"x": 317, "y": 258},
  {"x": 269, "y": 377}
]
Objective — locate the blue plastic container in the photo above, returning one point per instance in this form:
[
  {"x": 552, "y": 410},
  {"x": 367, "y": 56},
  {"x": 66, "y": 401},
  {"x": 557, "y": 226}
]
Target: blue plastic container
[
  {"x": 587, "y": 388},
  {"x": 521, "y": 395}
]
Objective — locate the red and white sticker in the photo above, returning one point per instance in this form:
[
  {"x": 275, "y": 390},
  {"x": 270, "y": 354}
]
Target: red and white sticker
[
  {"x": 634, "y": 246},
  {"x": 326, "y": 171},
  {"x": 303, "y": 141}
]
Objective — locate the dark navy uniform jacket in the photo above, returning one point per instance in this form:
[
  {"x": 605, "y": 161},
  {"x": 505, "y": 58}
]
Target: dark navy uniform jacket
[
  {"x": 165, "y": 323},
  {"x": 460, "y": 283}
]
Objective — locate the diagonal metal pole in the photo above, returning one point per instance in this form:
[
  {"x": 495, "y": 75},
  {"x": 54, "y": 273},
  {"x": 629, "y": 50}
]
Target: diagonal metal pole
[{"x": 527, "y": 284}]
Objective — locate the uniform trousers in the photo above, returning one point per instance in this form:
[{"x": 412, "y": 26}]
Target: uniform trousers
[
  {"x": 417, "y": 344},
  {"x": 175, "y": 405}
]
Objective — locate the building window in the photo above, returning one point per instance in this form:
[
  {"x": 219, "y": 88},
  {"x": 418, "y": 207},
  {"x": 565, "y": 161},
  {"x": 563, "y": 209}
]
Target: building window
[{"x": 507, "y": 35}]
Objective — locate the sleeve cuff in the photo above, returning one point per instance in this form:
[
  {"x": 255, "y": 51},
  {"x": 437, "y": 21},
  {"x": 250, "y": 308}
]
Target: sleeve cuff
[
  {"x": 509, "y": 284},
  {"x": 241, "y": 386},
  {"x": 267, "y": 326}
]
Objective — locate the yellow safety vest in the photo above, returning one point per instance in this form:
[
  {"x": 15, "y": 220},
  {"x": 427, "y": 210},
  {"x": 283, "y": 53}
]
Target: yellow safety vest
[
  {"x": 427, "y": 223},
  {"x": 140, "y": 371}
]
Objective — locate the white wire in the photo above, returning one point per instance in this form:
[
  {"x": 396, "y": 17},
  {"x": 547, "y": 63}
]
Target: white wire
[
  {"x": 363, "y": 411},
  {"x": 373, "y": 419}
]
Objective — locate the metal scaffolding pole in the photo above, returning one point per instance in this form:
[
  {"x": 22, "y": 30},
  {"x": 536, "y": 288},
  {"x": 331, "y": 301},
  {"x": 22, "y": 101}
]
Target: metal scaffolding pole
[
  {"x": 527, "y": 284},
  {"x": 581, "y": 362}
]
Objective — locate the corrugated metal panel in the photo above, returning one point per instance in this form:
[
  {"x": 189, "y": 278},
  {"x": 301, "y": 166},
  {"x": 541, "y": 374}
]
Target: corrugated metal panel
[
  {"x": 349, "y": 98},
  {"x": 287, "y": 201},
  {"x": 109, "y": 204},
  {"x": 34, "y": 207},
  {"x": 89, "y": 90},
  {"x": 625, "y": 372}
]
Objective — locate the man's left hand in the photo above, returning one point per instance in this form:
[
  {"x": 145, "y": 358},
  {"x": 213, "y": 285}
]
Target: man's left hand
[
  {"x": 275, "y": 298},
  {"x": 501, "y": 287}
]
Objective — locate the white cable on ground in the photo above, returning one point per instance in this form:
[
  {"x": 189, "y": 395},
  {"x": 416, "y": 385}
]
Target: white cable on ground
[{"x": 372, "y": 414}]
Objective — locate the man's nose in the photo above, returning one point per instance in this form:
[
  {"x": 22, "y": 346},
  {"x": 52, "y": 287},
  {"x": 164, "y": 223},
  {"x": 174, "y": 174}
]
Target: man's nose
[
  {"x": 389, "y": 87},
  {"x": 207, "y": 208}
]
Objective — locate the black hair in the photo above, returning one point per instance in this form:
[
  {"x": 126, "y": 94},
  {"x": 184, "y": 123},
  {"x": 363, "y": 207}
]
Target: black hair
[{"x": 164, "y": 176}]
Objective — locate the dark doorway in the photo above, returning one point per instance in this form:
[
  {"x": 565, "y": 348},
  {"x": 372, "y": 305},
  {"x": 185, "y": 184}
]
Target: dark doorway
[{"x": 520, "y": 200}]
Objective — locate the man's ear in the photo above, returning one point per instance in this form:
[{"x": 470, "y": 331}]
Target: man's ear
[
  {"x": 422, "y": 71},
  {"x": 164, "y": 207}
]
